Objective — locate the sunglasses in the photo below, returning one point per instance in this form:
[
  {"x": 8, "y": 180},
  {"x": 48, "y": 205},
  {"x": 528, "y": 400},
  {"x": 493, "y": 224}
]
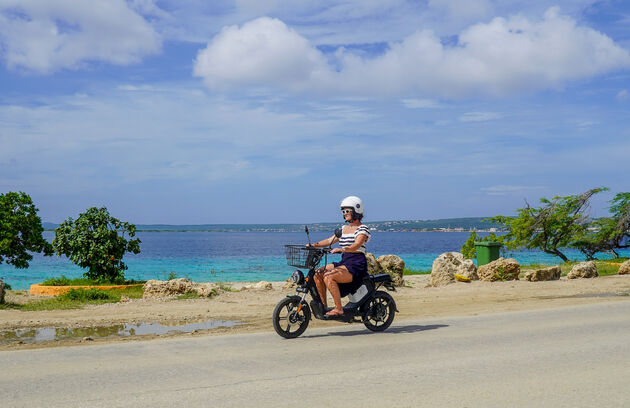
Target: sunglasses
[{"x": 346, "y": 211}]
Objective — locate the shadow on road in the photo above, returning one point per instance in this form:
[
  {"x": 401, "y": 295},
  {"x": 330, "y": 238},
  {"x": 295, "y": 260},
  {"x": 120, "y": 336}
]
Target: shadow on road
[{"x": 412, "y": 328}]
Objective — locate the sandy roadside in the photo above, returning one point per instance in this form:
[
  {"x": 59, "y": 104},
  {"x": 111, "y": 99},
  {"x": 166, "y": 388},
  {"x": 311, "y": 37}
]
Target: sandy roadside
[{"x": 253, "y": 308}]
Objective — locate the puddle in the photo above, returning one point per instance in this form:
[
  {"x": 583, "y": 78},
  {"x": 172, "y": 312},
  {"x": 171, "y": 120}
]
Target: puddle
[{"x": 38, "y": 335}]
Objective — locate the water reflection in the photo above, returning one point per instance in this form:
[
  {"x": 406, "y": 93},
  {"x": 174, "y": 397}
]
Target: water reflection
[{"x": 123, "y": 330}]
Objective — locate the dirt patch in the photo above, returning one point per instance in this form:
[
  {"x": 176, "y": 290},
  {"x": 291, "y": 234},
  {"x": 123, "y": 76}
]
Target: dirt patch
[{"x": 254, "y": 308}]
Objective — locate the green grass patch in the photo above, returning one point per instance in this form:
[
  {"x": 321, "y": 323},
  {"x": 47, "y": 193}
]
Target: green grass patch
[
  {"x": 604, "y": 268},
  {"x": 408, "y": 271},
  {"x": 77, "y": 298},
  {"x": 63, "y": 281}
]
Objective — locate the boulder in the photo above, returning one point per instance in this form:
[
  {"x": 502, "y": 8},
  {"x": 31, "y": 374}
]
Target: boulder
[
  {"x": 624, "y": 269},
  {"x": 262, "y": 285},
  {"x": 394, "y": 266},
  {"x": 583, "y": 270},
  {"x": 500, "y": 270},
  {"x": 447, "y": 265},
  {"x": 545, "y": 274},
  {"x": 1, "y": 291},
  {"x": 174, "y": 287},
  {"x": 374, "y": 268}
]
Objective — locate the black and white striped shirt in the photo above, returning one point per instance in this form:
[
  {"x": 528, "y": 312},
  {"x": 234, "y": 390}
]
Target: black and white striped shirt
[{"x": 348, "y": 239}]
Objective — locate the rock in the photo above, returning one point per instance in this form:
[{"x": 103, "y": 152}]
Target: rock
[
  {"x": 500, "y": 270},
  {"x": 447, "y": 265},
  {"x": 88, "y": 338},
  {"x": 546, "y": 274},
  {"x": 124, "y": 299},
  {"x": 394, "y": 266},
  {"x": 262, "y": 285},
  {"x": 174, "y": 287},
  {"x": 288, "y": 284},
  {"x": 583, "y": 270},
  {"x": 206, "y": 289},
  {"x": 374, "y": 268},
  {"x": 624, "y": 269},
  {"x": 1, "y": 291}
]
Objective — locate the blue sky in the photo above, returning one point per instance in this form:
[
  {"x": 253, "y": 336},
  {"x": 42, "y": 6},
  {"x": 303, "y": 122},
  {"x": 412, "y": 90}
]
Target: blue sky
[{"x": 271, "y": 111}]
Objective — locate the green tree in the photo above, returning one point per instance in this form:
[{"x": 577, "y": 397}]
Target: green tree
[
  {"x": 555, "y": 225},
  {"x": 20, "y": 230},
  {"x": 607, "y": 234},
  {"x": 468, "y": 249},
  {"x": 97, "y": 241}
]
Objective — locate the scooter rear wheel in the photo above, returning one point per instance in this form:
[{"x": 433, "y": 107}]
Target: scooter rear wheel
[
  {"x": 380, "y": 312},
  {"x": 287, "y": 321}
]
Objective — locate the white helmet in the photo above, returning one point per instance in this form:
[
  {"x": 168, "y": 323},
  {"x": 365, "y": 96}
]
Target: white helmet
[{"x": 354, "y": 203}]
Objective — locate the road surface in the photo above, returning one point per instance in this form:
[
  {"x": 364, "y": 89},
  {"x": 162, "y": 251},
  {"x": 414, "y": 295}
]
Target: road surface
[{"x": 565, "y": 357}]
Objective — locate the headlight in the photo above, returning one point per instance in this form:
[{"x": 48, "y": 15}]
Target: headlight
[{"x": 297, "y": 277}]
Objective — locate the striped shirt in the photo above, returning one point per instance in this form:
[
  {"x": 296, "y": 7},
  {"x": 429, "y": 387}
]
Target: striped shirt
[{"x": 348, "y": 239}]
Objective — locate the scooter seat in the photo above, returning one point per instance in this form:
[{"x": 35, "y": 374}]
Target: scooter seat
[{"x": 381, "y": 277}]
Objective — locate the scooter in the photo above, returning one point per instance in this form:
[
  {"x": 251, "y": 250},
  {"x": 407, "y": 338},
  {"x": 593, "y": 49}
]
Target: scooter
[{"x": 368, "y": 305}]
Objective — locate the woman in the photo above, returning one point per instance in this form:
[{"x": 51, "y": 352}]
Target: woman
[{"x": 341, "y": 278}]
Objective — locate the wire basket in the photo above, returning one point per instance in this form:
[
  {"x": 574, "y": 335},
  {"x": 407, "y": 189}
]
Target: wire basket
[{"x": 302, "y": 257}]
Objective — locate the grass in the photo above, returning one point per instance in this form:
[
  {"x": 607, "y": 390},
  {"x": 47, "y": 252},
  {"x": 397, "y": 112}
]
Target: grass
[
  {"x": 604, "y": 268},
  {"x": 416, "y": 272},
  {"x": 63, "y": 281},
  {"x": 77, "y": 298}
]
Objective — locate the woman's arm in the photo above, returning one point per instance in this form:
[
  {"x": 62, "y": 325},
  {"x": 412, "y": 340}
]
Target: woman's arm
[
  {"x": 358, "y": 241},
  {"x": 325, "y": 242}
]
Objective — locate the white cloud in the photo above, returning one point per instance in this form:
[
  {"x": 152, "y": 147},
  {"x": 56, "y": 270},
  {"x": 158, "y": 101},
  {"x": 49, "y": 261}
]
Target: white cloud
[
  {"x": 479, "y": 116},
  {"x": 262, "y": 52},
  {"x": 623, "y": 95},
  {"x": 510, "y": 189},
  {"x": 47, "y": 36},
  {"x": 502, "y": 57},
  {"x": 421, "y": 104}
]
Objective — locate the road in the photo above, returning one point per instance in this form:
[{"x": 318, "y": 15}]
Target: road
[{"x": 565, "y": 357}]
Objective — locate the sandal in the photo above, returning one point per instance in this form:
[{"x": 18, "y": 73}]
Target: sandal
[{"x": 334, "y": 313}]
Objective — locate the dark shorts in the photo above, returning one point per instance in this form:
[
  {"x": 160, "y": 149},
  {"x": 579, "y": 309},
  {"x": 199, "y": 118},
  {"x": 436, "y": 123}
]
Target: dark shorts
[{"x": 357, "y": 266}]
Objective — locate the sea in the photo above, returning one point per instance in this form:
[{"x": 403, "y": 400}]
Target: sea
[{"x": 250, "y": 256}]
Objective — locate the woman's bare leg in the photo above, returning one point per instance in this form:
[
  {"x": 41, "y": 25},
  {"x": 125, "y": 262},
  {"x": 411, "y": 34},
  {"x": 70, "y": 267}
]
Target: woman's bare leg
[
  {"x": 319, "y": 282},
  {"x": 332, "y": 279}
]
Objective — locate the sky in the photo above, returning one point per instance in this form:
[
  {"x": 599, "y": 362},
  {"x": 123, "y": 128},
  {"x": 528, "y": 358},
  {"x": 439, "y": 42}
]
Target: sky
[{"x": 272, "y": 111}]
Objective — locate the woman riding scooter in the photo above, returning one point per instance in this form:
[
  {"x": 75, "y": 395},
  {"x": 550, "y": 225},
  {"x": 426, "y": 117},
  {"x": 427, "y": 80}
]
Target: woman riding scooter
[{"x": 341, "y": 278}]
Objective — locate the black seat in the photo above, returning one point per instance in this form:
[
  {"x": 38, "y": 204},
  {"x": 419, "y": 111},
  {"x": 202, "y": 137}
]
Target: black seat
[{"x": 381, "y": 277}]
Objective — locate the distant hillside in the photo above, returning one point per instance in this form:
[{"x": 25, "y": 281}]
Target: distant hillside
[{"x": 447, "y": 224}]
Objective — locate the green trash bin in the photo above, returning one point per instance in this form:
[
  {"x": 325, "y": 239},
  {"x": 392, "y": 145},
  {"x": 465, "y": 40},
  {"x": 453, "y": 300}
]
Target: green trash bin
[{"x": 487, "y": 252}]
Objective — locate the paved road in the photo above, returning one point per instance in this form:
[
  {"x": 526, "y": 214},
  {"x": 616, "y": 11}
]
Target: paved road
[{"x": 570, "y": 357}]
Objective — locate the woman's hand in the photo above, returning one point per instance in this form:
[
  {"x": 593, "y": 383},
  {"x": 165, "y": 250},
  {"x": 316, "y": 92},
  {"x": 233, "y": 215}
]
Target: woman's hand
[{"x": 336, "y": 251}]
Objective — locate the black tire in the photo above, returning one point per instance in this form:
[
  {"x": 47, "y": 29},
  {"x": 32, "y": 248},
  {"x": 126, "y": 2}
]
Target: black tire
[
  {"x": 379, "y": 312},
  {"x": 286, "y": 318}
]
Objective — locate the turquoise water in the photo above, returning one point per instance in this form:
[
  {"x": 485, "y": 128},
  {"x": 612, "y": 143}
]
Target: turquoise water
[{"x": 249, "y": 256}]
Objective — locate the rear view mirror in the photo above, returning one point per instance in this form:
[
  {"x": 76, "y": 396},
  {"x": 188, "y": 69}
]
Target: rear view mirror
[{"x": 338, "y": 232}]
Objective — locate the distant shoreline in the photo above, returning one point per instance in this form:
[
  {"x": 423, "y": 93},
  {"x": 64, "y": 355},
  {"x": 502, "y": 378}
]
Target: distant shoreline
[{"x": 477, "y": 224}]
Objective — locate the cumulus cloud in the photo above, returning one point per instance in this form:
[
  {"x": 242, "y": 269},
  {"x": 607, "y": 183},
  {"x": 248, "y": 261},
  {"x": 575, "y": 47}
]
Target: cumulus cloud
[
  {"x": 479, "y": 116},
  {"x": 498, "y": 58},
  {"x": 47, "y": 36},
  {"x": 262, "y": 52}
]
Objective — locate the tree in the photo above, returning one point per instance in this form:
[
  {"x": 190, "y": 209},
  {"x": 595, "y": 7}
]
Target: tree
[
  {"x": 608, "y": 233},
  {"x": 551, "y": 227},
  {"x": 97, "y": 241},
  {"x": 20, "y": 230},
  {"x": 468, "y": 249}
]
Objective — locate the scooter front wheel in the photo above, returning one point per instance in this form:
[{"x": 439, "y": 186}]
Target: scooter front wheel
[{"x": 288, "y": 322}]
